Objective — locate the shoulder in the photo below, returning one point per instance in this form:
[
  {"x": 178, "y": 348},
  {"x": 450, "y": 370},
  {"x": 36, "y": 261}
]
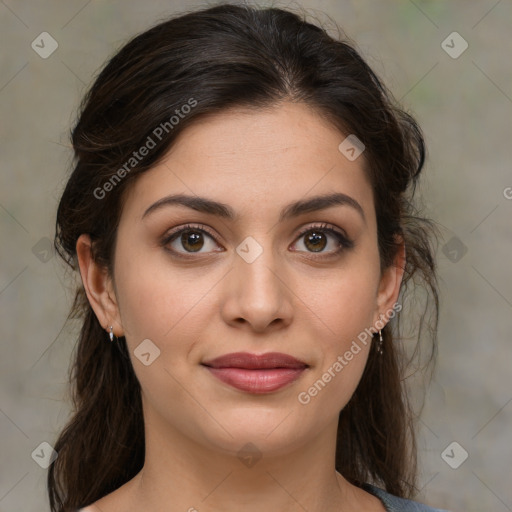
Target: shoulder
[{"x": 396, "y": 504}]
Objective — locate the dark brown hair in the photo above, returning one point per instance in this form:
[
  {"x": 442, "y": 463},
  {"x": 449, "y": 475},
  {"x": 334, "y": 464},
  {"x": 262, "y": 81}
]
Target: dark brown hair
[{"x": 217, "y": 58}]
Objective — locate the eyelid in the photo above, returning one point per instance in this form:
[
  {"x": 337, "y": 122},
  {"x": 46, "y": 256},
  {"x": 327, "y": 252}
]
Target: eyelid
[
  {"x": 340, "y": 234},
  {"x": 198, "y": 227},
  {"x": 324, "y": 226},
  {"x": 169, "y": 235}
]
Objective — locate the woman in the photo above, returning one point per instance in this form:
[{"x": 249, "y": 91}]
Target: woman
[{"x": 241, "y": 216}]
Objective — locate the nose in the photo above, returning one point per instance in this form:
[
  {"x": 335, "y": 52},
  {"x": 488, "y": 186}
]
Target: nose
[{"x": 257, "y": 295}]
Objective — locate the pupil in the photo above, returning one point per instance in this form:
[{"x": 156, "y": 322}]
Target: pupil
[
  {"x": 315, "y": 238},
  {"x": 191, "y": 239}
]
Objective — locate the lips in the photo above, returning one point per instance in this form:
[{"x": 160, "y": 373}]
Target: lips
[
  {"x": 255, "y": 373},
  {"x": 255, "y": 361}
]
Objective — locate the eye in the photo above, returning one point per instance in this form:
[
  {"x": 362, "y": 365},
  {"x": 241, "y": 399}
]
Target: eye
[
  {"x": 190, "y": 238},
  {"x": 316, "y": 239}
]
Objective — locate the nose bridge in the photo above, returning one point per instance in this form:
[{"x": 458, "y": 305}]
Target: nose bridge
[
  {"x": 258, "y": 291},
  {"x": 257, "y": 269}
]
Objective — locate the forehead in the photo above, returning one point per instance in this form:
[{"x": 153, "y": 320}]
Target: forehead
[{"x": 255, "y": 159}]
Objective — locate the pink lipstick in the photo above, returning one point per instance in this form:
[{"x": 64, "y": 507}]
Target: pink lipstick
[{"x": 256, "y": 373}]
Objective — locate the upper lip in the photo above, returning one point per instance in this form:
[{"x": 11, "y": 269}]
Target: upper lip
[{"x": 250, "y": 361}]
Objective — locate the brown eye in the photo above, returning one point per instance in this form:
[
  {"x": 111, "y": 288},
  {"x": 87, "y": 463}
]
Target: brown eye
[
  {"x": 315, "y": 241},
  {"x": 190, "y": 240}
]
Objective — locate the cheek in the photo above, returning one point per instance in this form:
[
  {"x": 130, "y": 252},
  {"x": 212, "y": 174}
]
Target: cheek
[
  {"x": 342, "y": 314},
  {"x": 342, "y": 350},
  {"x": 167, "y": 306},
  {"x": 344, "y": 301},
  {"x": 162, "y": 302}
]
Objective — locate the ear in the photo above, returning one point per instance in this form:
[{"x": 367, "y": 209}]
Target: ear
[
  {"x": 98, "y": 287},
  {"x": 389, "y": 285}
]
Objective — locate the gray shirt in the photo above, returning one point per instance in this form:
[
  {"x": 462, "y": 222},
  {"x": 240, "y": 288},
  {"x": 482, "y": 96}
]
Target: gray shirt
[{"x": 395, "y": 504}]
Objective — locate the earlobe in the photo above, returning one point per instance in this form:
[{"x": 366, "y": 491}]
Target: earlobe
[
  {"x": 98, "y": 286},
  {"x": 390, "y": 283}
]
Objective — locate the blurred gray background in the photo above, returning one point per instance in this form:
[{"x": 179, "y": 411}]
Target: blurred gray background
[{"x": 462, "y": 98}]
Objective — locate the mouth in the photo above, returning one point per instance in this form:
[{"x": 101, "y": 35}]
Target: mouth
[{"x": 255, "y": 373}]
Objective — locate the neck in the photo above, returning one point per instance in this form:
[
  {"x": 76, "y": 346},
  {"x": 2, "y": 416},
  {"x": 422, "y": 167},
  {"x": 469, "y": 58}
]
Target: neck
[{"x": 181, "y": 474}]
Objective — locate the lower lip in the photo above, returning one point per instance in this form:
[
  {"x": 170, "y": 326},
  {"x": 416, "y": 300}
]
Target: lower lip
[{"x": 257, "y": 381}]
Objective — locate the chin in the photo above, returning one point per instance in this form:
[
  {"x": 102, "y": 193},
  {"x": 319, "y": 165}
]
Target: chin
[{"x": 272, "y": 432}]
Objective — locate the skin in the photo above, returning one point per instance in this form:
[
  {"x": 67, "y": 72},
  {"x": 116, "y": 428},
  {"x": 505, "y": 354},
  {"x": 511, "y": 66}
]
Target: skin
[{"x": 290, "y": 299}]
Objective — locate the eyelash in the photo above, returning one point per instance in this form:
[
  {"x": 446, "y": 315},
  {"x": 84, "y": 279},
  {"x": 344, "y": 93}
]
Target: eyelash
[{"x": 344, "y": 241}]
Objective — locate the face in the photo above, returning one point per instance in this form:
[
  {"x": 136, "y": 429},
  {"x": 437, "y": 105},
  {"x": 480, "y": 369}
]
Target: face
[{"x": 264, "y": 271}]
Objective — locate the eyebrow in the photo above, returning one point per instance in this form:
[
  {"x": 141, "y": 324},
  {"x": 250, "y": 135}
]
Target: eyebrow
[{"x": 205, "y": 205}]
